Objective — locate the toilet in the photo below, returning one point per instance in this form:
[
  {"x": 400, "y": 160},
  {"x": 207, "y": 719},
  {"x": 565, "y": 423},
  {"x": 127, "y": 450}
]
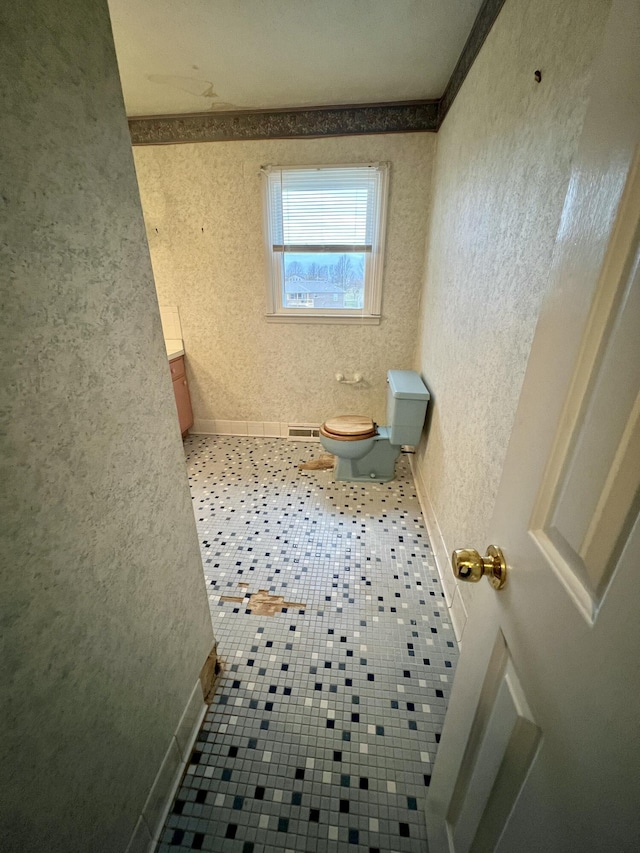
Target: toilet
[{"x": 367, "y": 453}]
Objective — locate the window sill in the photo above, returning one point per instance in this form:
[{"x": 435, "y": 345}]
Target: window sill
[{"x": 326, "y": 319}]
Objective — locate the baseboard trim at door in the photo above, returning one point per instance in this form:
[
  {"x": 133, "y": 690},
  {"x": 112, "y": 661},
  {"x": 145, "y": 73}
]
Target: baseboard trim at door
[
  {"x": 455, "y": 605},
  {"x": 156, "y": 808}
]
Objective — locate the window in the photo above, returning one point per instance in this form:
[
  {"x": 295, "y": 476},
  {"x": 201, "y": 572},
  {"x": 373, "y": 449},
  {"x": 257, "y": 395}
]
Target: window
[{"x": 324, "y": 230}]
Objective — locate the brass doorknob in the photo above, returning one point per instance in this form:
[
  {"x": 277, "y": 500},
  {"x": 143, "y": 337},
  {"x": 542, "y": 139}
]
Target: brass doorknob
[{"x": 468, "y": 565}]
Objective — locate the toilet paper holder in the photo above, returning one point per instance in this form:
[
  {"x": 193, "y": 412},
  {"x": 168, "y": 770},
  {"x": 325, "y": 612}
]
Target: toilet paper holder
[{"x": 342, "y": 379}]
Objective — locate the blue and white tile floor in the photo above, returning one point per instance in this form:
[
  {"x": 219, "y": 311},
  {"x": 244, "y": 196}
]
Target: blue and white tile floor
[{"x": 326, "y": 719}]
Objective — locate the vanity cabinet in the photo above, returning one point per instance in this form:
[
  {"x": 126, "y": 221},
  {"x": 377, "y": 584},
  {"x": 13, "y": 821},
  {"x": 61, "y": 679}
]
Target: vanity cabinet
[{"x": 181, "y": 393}]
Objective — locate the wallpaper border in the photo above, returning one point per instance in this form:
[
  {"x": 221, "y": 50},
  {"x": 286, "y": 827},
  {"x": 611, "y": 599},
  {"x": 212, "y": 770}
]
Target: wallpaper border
[
  {"x": 314, "y": 122},
  {"x": 305, "y": 122}
]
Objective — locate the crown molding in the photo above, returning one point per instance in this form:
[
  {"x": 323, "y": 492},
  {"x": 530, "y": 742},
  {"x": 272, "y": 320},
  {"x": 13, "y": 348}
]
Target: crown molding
[
  {"x": 314, "y": 122},
  {"x": 485, "y": 19}
]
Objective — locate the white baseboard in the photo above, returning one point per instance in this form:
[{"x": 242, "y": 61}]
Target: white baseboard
[
  {"x": 441, "y": 553},
  {"x": 267, "y": 429},
  {"x": 156, "y": 808}
]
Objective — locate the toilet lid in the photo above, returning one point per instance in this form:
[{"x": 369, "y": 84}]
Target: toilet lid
[{"x": 349, "y": 427}]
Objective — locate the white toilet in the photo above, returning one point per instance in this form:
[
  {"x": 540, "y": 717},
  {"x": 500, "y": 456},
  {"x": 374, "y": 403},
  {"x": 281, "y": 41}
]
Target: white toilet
[{"x": 366, "y": 453}]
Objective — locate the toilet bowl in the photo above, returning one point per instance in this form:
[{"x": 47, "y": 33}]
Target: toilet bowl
[
  {"x": 352, "y": 435},
  {"x": 367, "y": 453}
]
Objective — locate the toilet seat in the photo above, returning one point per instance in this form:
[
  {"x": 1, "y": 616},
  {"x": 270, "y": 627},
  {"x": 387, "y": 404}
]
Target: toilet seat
[{"x": 349, "y": 428}]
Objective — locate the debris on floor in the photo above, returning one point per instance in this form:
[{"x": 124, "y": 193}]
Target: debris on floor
[{"x": 324, "y": 462}]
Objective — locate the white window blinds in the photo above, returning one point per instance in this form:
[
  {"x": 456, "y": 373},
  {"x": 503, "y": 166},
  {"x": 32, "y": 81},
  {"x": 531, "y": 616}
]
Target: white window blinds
[{"x": 324, "y": 209}]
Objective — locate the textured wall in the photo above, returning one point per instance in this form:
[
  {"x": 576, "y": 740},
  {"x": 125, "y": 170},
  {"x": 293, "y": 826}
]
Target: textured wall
[
  {"x": 203, "y": 209},
  {"x": 502, "y": 167},
  {"x": 103, "y": 614}
]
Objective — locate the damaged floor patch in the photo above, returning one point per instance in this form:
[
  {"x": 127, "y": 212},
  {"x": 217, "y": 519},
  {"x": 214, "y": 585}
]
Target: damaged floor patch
[{"x": 262, "y": 602}]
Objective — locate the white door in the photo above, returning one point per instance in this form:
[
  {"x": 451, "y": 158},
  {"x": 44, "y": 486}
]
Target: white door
[{"x": 541, "y": 745}]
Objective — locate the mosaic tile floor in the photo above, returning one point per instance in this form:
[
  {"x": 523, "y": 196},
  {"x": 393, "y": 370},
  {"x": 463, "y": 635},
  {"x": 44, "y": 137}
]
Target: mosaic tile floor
[{"x": 327, "y": 717}]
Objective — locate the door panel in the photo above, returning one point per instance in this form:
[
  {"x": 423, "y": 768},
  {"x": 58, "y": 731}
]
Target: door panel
[
  {"x": 502, "y": 744},
  {"x": 588, "y": 497}
]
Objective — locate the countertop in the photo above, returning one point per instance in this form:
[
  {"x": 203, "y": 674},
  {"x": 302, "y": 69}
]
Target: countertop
[{"x": 175, "y": 348}]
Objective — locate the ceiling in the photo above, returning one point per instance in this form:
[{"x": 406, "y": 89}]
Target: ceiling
[{"x": 202, "y": 55}]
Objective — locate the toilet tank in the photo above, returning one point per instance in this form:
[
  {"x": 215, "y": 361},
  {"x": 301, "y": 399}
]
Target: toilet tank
[{"x": 407, "y": 399}]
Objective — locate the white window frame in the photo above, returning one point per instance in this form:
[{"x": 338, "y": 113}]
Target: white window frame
[{"x": 370, "y": 312}]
